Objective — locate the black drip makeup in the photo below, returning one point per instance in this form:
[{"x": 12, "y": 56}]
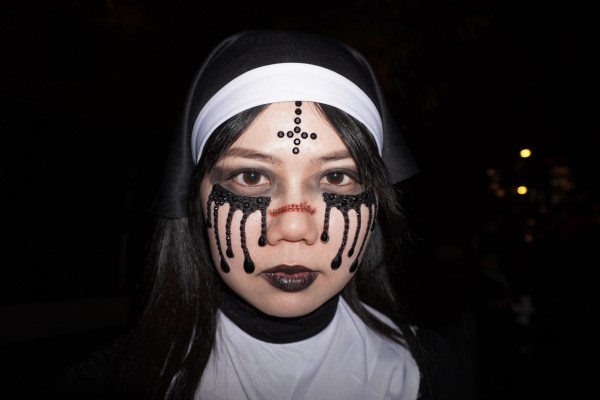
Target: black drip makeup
[
  {"x": 248, "y": 205},
  {"x": 297, "y": 130},
  {"x": 345, "y": 203}
]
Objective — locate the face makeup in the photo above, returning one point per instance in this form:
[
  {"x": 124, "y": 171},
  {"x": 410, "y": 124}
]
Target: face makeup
[
  {"x": 297, "y": 130},
  {"x": 290, "y": 278},
  {"x": 345, "y": 204},
  {"x": 287, "y": 231},
  {"x": 302, "y": 207},
  {"x": 248, "y": 205}
]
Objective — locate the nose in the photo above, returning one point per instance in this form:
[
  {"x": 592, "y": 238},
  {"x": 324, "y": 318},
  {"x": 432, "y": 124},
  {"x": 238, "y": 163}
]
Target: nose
[{"x": 292, "y": 222}]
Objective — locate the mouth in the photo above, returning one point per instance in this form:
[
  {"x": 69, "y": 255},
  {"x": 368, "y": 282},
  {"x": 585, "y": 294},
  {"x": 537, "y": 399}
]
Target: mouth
[{"x": 290, "y": 278}]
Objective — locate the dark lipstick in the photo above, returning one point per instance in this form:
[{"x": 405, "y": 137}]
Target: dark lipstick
[{"x": 290, "y": 278}]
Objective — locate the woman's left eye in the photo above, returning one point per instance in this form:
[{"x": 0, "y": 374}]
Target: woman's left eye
[
  {"x": 337, "y": 178},
  {"x": 250, "y": 178}
]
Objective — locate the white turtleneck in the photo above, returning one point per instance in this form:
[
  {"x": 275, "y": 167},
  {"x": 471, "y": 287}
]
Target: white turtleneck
[{"x": 347, "y": 360}]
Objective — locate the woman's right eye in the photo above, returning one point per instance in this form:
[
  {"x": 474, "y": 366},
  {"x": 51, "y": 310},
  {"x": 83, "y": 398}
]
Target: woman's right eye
[{"x": 250, "y": 178}]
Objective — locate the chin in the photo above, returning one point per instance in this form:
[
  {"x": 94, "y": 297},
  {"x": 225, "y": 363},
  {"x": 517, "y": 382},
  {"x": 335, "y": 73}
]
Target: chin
[{"x": 289, "y": 305}]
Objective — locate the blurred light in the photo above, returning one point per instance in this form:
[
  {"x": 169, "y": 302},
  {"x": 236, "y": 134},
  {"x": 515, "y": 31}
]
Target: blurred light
[
  {"x": 528, "y": 238},
  {"x": 524, "y": 153},
  {"x": 530, "y": 222},
  {"x": 522, "y": 189},
  {"x": 490, "y": 172},
  {"x": 500, "y": 193}
]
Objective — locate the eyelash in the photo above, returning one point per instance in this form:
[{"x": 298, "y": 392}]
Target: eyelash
[
  {"x": 349, "y": 178},
  {"x": 239, "y": 174},
  {"x": 346, "y": 176}
]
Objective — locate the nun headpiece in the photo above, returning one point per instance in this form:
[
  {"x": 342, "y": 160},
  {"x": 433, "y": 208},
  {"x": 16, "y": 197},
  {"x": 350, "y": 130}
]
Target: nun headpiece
[{"x": 259, "y": 67}]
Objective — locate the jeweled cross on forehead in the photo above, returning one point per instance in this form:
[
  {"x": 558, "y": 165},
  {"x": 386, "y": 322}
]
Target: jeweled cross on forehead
[{"x": 297, "y": 131}]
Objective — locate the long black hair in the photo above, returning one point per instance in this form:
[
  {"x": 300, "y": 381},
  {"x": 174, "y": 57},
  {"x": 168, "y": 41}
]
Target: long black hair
[{"x": 174, "y": 338}]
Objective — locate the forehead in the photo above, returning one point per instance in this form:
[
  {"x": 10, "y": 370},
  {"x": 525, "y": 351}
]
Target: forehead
[{"x": 291, "y": 130}]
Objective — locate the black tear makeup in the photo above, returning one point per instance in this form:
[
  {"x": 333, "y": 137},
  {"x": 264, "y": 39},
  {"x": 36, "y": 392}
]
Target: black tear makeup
[
  {"x": 297, "y": 131},
  {"x": 248, "y": 205},
  {"x": 220, "y": 196},
  {"x": 345, "y": 203}
]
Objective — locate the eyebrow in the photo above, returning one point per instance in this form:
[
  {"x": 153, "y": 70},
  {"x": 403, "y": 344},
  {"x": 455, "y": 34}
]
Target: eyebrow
[
  {"x": 333, "y": 156},
  {"x": 251, "y": 154}
]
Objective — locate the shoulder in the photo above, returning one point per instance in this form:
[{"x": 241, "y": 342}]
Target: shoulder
[
  {"x": 443, "y": 374},
  {"x": 381, "y": 316},
  {"x": 96, "y": 376}
]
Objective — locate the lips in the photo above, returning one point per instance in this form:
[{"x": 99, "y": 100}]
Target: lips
[{"x": 290, "y": 278}]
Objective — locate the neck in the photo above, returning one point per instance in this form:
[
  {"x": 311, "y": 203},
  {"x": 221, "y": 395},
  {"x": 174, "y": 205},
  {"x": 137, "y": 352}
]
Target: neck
[{"x": 272, "y": 329}]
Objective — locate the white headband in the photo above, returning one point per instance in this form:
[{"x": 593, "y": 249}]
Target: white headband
[{"x": 285, "y": 82}]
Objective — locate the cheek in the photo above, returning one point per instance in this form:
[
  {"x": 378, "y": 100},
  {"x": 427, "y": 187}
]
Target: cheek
[
  {"x": 223, "y": 207},
  {"x": 235, "y": 236},
  {"x": 347, "y": 233},
  {"x": 217, "y": 234},
  {"x": 350, "y": 219}
]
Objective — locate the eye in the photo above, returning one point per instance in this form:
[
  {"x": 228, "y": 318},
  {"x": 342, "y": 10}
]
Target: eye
[
  {"x": 338, "y": 178},
  {"x": 250, "y": 178}
]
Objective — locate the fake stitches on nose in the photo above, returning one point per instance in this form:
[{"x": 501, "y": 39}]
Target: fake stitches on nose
[
  {"x": 248, "y": 205},
  {"x": 345, "y": 203},
  {"x": 302, "y": 207},
  {"x": 293, "y": 222}
]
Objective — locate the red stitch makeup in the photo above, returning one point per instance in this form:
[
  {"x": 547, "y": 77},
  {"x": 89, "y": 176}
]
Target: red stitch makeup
[
  {"x": 297, "y": 129},
  {"x": 302, "y": 207}
]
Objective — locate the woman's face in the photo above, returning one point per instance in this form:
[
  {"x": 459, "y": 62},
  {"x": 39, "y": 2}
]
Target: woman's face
[{"x": 286, "y": 214}]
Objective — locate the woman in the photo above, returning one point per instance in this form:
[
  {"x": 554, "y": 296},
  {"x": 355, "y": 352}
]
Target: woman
[{"x": 277, "y": 222}]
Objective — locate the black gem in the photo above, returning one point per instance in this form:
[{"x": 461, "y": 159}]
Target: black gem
[
  {"x": 295, "y": 150},
  {"x": 262, "y": 241},
  {"x": 297, "y": 120},
  {"x": 324, "y": 237},
  {"x": 304, "y": 135},
  {"x": 248, "y": 266},
  {"x": 297, "y": 129},
  {"x": 313, "y": 136},
  {"x": 354, "y": 265},
  {"x": 298, "y": 111},
  {"x": 224, "y": 266},
  {"x": 337, "y": 261},
  {"x": 298, "y": 103},
  {"x": 290, "y": 133},
  {"x": 229, "y": 253},
  {"x": 296, "y": 141}
]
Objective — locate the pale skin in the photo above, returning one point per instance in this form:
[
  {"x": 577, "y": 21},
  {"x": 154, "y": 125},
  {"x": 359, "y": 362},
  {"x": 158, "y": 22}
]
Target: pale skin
[{"x": 259, "y": 163}]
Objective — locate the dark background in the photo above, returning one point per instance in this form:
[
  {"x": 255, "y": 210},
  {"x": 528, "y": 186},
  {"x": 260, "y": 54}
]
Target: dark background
[{"x": 91, "y": 90}]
